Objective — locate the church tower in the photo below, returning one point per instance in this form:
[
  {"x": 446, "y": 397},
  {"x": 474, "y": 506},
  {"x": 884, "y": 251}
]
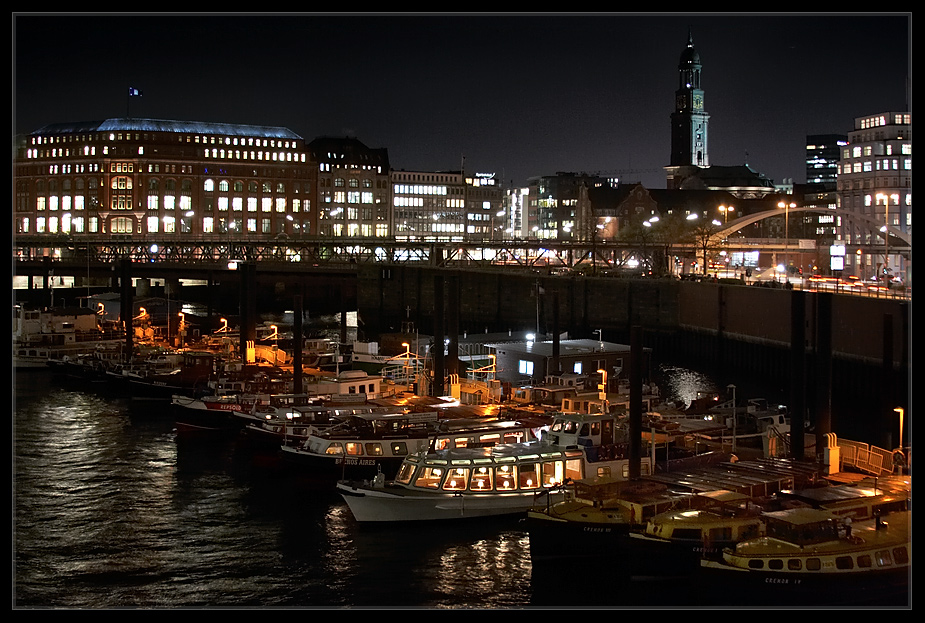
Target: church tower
[{"x": 689, "y": 121}]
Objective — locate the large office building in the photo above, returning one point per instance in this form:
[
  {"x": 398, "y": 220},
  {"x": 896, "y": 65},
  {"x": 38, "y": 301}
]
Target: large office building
[
  {"x": 153, "y": 178},
  {"x": 875, "y": 183},
  {"x": 429, "y": 205},
  {"x": 446, "y": 206},
  {"x": 160, "y": 180},
  {"x": 353, "y": 189},
  {"x": 823, "y": 151}
]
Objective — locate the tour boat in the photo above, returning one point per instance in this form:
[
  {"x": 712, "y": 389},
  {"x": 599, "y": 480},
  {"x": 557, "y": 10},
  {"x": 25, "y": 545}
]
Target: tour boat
[
  {"x": 503, "y": 479},
  {"x": 43, "y": 338},
  {"x": 234, "y": 411},
  {"x": 363, "y": 446},
  {"x": 810, "y": 550},
  {"x": 652, "y": 528}
]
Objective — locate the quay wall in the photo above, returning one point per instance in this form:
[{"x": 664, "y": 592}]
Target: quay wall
[
  {"x": 495, "y": 301},
  {"x": 855, "y": 360}
]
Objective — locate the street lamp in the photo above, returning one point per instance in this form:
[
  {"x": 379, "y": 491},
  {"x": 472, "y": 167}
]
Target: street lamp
[
  {"x": 726, "y": 210},
  {"x": 786, "y": 206},
  {"x": 886, "y": 232},
  {"x": 901, "y": 413}
]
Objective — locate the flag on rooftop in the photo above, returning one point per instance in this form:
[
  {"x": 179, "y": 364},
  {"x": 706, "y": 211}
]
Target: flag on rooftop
[{"x": 132, "y": 91}]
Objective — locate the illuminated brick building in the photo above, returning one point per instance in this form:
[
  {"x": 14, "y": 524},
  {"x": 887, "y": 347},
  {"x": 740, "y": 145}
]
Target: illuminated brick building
[{"x": 146, "y": 177}]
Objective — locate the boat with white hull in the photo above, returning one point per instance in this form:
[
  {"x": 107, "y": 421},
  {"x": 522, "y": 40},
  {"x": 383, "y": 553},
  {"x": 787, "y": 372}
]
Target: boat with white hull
[
  {"x": 363, "y": 446},
  {"x": 501, "y": 480}
]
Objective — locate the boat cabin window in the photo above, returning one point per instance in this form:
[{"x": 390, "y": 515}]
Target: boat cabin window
[
  {"x": 353, "y": 448},
  {"x": 572, "y": 469},
  {"x": 374, "y": 449},
  {"x": 844, "y": 562},
  {"x": 457, "y": 479},
  {"x": 506, "y": 477},
  {"x": 514, "y": 436},
  {"x": 901, "y": 555},
  {"x": 721, "y": 534},
  {"x": 334, "y": 448},
  {"x": 529, "y": 476},
  {"x": 553, "y": 473},
  {"x": 794, "y": 564},
  {"x": 405, "y": 472},
  {"x": 399, "y": 448},
  {"x": 481, "y": 479},
  {"x": 883, "y": 558},
  {"x": 429, "y": 477},
  {"x": 491, "y": 439},
  {"x": 864, "y": 561}
]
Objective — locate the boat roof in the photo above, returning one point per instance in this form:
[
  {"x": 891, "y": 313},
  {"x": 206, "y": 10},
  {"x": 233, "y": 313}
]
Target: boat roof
[
  {"x": 838, "y": 495},
  {"x": 465, "y": 425},
  {"x": 756, "y": 477},
  {"x": 503, "y": 451},
  {"x": 800, "y": 516},
  {"x": 722, "y": 495}
]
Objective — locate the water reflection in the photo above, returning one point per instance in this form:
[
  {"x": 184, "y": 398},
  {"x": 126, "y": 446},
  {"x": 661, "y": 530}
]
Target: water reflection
[{"x": 112, "y": 509}]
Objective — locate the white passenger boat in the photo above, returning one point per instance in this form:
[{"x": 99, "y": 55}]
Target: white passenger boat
[
  {"x": 808, "y": 550},
  {"x": 500, "y": 480},
  {"x": 363, "y": 446}
]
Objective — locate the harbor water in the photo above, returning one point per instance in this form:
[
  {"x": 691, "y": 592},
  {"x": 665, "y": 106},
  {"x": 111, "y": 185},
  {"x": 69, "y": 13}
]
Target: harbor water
[{"x": 113, "y": 510}]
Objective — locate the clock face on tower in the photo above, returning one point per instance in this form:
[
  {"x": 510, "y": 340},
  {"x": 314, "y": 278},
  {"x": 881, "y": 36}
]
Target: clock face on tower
[{"x": 698, "y": 102}]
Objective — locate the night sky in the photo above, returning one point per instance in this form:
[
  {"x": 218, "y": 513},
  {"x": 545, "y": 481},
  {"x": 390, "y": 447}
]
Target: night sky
[{"x": 516, "y": 95}]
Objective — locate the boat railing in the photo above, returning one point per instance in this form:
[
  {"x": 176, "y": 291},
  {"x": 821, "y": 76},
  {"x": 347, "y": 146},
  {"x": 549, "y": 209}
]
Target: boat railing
[
  {"x": 544, "y": 496},
  {"x": 865, "y": 457}
]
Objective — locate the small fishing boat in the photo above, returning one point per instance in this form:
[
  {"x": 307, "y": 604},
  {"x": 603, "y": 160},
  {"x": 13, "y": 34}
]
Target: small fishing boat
[
  {"x": 501, "y": 480},
  {"x": 809, "y": 551}
]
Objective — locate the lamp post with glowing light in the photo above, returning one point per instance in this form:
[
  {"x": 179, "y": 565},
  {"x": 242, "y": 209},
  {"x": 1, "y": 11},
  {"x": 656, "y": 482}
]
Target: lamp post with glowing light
[
  {"x": 786, "y": 206},
  {"x": 901, "y": 413},
  {"x": 886, "y": 233}
]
